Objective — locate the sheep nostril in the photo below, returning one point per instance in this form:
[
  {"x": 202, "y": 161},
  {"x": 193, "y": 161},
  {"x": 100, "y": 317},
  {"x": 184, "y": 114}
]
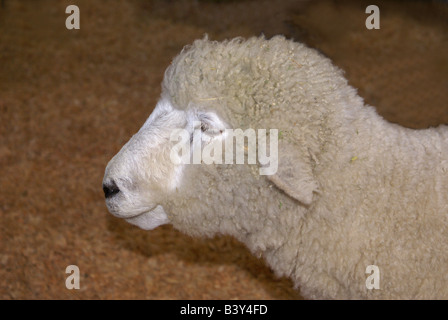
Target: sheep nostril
[{"x": 110, "y": 189}]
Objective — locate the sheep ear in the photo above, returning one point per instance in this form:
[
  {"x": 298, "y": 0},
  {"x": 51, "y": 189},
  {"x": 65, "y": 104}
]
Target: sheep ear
[{"x": 295, "y": 173}]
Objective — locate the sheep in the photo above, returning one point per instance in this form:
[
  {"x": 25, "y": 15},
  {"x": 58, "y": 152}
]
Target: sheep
[{"x": 357, "y": 207}]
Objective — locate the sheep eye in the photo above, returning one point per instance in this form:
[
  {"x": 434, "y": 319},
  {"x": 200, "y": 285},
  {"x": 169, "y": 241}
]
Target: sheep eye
[{"x": 204, "y": 127}]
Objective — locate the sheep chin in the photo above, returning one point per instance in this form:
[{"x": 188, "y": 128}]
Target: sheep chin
[{"x": 151, "y": 219}]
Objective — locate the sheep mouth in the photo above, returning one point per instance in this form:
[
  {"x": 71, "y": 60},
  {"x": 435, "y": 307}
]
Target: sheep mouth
[
  {"x": 123, "y": 214},
  {"x": 149, "y": 220}
]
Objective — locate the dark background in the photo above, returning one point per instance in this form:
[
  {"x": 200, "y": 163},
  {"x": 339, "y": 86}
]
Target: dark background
[{"x": 69, "y": 99}]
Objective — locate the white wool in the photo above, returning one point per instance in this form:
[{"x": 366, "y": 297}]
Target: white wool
[{"x": 351, "y": 189}]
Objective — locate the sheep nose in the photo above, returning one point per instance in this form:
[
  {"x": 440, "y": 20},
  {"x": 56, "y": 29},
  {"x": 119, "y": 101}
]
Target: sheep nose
[{"x": 110, "y": 189}]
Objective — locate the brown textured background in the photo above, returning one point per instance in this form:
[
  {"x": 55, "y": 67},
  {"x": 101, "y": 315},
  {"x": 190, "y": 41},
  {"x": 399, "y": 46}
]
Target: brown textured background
[{"x": 70, "y": 99}]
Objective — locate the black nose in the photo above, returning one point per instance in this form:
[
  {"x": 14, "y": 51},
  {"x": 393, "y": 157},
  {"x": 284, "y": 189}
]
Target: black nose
[{"x": 110, "y": 189}]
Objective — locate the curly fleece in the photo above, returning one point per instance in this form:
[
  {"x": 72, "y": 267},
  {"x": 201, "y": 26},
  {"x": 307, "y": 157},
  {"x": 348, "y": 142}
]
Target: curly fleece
[{"x": 351, "y": 190}]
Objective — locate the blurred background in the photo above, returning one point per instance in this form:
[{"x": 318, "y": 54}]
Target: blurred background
[{"x": 69, "y": 99}]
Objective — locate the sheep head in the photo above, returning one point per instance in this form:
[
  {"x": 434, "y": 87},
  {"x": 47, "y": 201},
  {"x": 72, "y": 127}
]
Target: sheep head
[
  {"x": 143, "y": 174},
  {"x": 145, "y": 186},
  {"x": 156, "y": 170}
]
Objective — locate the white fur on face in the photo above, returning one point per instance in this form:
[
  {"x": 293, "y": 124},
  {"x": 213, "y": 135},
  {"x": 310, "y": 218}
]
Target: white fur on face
[
  {"x": 143, "y": 170},
  {"x": 151, "y": 219}
]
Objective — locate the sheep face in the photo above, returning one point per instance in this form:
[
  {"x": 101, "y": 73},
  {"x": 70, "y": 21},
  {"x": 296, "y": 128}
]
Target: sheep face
[
  {"x": 138, "y": 176},
  {"x": 143, "y": 174},
  {"x": 158, "y": 170}
]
